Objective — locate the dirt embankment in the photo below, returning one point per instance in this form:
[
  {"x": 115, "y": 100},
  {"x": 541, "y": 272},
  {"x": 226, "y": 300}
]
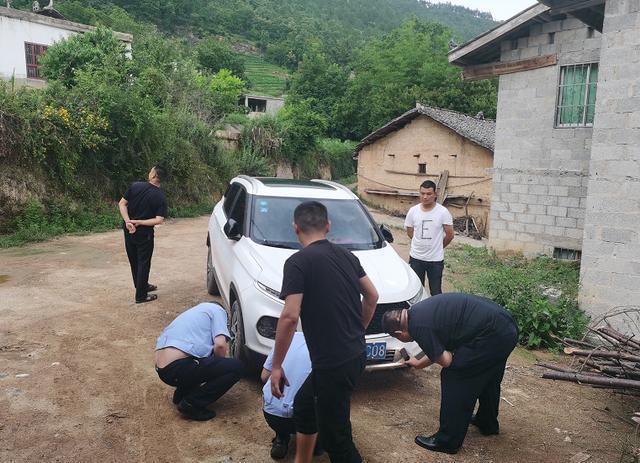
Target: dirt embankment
[{"x": 77, "y": 382}]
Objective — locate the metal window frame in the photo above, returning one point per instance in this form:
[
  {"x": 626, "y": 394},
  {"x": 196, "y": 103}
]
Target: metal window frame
[{"x": 582, "y": 123}]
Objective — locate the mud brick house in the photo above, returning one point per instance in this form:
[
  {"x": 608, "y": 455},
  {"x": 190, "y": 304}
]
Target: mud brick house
[
  {"x": 452, "y": 149},
  {"x": 566, "y": 178}
]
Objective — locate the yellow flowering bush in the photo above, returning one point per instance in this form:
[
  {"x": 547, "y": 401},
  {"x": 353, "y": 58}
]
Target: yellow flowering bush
[{"x": 85, "y": 127}]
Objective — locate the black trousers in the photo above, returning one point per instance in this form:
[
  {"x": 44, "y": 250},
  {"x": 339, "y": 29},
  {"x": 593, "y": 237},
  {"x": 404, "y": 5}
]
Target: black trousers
[
  {"x": 474, "y": 376},
  {"x": 139, "y": 248},
  {"x": 201, "y": 381},
  {"x": 283, "y": 427},
  {"x": 433, "y": 271},
  {"x": 323, "y": 405}
]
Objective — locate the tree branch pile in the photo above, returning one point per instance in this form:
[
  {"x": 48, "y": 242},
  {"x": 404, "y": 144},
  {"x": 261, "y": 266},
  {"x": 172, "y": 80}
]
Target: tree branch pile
[{"x": 606, "y": 357}]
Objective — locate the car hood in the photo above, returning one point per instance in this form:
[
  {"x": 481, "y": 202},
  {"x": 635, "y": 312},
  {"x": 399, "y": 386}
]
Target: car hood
[{"x": 392, "y": 277}]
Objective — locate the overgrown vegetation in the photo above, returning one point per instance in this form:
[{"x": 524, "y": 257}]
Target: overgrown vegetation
[
  {"x": 540, "y": 293},
  {"x": 40, "y": 221},
  {"x": 283, "y": 29},
  {"x": 109, "y": 114}
]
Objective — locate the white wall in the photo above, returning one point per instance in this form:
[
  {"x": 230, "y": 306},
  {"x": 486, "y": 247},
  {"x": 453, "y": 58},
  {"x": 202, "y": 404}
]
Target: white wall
[{"x": 13, "y": 34}]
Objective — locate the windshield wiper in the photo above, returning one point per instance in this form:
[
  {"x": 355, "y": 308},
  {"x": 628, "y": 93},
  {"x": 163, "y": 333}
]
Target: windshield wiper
[{"x": 277, "y": 244}]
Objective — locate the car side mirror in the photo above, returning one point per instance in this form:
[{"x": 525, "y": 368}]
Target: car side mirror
[
  {"x": 232, "y": 230},
  {"x": 386, "y": 233}
]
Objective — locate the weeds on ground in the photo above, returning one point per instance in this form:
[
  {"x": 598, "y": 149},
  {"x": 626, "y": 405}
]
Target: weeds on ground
[
  {"x": 38, "y": 222},
  {"x": 540, "y": 293}
]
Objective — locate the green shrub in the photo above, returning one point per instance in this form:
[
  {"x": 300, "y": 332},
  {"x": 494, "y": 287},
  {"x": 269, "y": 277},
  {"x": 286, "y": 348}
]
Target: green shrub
[
  {"x": 236, "y": 119},
  {"x": 38, "y": 221},
  {"x": 338, "y": 155},
  {"x": 519, "y": 285}
]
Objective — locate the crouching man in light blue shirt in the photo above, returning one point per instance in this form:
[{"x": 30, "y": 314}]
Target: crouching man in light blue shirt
[
  {"x": 279, "y": 412},
  {"x": 191, "y": 355}
]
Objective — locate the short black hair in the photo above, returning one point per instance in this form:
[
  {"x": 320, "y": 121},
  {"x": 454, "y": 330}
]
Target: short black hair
[
  {"x": 161, "y": 173},
  {"x": 428, "y": 184},
  {"x": 392, "y": 321},
  {"x": 311, "y": 216}
]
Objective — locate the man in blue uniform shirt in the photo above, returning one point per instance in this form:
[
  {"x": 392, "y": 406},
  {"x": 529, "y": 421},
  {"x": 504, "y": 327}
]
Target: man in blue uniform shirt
[
  {"x": 279, "y": 412},
  {"x": 191, "y": 355}
]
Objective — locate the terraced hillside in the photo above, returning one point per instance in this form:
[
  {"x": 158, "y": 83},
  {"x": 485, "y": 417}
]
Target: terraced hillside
[{"x": 265, "y": 78}]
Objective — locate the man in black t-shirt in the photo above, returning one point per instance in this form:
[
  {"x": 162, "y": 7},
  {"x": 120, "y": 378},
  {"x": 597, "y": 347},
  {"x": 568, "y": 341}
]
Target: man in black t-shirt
[
  {"x": 471, "y": 338},
  {"x": 322, "y": 285},
  {"x": 142, "y": 207}
]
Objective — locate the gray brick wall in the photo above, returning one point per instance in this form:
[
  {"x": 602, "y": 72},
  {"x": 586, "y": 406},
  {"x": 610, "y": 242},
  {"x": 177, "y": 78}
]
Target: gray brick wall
[
  {"x": 540, "y": 174},
  {"x": 610, "y": 270}
]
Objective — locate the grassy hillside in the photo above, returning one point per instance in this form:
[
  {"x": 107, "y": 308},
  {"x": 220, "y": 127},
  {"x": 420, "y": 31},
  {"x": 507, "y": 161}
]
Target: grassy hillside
[
  {"x": 264, "y": 78},
  {"x": 283, "y": 29}
]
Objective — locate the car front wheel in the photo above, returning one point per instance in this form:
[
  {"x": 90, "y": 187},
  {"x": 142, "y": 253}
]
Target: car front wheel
[
  {"x": 212, "y": 285},
  {"x": 236, "y": 330}
]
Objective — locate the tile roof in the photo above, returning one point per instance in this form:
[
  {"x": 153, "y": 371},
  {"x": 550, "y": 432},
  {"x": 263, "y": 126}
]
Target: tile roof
[{"x": 478, "y": 130}]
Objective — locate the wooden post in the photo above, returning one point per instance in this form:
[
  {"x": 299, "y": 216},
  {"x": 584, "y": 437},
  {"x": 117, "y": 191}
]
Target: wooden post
[
  {"x": 466, "y": 214},
  {"x": 441, "y": 187}
]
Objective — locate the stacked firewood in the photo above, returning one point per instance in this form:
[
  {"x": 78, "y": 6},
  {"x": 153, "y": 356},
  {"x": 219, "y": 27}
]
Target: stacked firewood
[{"x": 606, "y": 358}]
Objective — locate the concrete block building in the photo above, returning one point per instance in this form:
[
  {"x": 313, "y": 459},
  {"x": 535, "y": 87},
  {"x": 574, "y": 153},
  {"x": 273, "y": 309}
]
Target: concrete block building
[
  {"x": 261, "y": 104},
  {"x": 566, "y": 178}
]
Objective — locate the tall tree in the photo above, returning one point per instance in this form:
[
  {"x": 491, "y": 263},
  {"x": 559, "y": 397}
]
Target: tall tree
[{"x": 391, "y": 74}]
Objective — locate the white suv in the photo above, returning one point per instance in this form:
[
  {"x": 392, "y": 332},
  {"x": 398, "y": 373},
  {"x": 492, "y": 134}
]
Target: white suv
[{"x": 251, "y": 236}]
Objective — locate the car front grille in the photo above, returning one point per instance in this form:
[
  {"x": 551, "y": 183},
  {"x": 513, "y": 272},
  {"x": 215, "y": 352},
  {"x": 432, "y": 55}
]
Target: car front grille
[
  {"x": 375, "y": 327},
  {"x": 388, "y": 358}
]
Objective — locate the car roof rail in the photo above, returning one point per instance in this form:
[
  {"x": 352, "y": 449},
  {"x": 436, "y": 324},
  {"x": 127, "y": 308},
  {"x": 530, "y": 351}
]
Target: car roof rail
[
  {"x": 335, "y": 185},
  {"x": 247, "y": 178}
]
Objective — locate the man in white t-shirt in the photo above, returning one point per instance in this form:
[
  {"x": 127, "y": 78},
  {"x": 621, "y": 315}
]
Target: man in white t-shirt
[{"x": 430, "y": 227}]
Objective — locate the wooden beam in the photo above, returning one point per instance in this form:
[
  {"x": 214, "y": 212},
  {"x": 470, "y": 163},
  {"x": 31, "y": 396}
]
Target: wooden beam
[
  {"x": 485, "y": 71},
  {"x": 441, "y": 187}
]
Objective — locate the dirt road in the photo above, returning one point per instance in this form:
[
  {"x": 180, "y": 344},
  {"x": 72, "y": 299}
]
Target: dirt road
[{"x": 77, "y": 382}]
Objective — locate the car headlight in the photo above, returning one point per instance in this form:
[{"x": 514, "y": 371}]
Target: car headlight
[
  {"x": 418, "y": 297},
  {"x": 266, "y": 326},
  {"x": 269, "y": 291}
]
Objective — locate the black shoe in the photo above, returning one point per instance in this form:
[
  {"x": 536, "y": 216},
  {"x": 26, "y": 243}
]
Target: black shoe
[
  {"x": 484, "y": 431},
  {"x": 149, "y": 298},
  {"x": 193, "y": 413},
  {"x": 430, "y": 443},
  {"x": 178, "y": 395},
  {"x": 279, "y": 447},
  {"x": 151, "y": 288}
]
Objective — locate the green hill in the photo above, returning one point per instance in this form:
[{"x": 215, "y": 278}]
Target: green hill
[
  {"x": 264, "y": 78},
  {"x": 284, "y": 29}
]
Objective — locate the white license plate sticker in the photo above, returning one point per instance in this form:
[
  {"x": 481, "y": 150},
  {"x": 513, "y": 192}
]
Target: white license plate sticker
[{"x": 376, "y": 350}]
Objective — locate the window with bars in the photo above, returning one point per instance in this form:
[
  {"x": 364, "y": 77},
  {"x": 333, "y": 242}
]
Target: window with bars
[
  {"x": 33, "y": 52},
  {"x": 567, "y": 254},
  {"x": 577, "y": 95}
]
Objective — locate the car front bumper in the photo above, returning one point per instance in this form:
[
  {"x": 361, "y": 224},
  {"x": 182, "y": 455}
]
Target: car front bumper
[{"x": 257, "y": 304}]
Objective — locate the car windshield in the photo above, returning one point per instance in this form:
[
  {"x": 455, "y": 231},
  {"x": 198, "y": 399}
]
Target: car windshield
[{"x": 351, "y": 226}]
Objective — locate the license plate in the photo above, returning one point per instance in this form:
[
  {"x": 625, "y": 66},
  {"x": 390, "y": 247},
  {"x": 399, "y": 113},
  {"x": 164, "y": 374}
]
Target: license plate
[{"x": 376, "y": 350}]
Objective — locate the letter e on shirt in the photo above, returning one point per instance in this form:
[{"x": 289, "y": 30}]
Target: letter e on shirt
[{"x": 428, "y": 232}]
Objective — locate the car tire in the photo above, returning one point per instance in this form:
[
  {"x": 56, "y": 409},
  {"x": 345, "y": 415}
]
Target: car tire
[
  {"x": 212, "y": 285},
  {"x": 237, "y": 348}
]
